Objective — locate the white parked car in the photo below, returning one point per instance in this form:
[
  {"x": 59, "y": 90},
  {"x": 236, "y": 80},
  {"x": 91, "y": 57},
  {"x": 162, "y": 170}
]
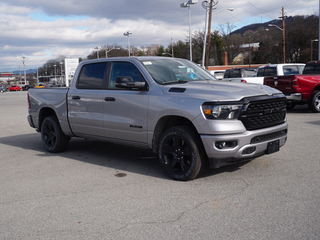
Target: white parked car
[
  {"x": 268, "y": 71},
  {"x": 218, "y": 74}
]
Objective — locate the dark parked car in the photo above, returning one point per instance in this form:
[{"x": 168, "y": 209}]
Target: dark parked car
[
  {"x": 312, "y": 67},
  {"x": 26, "y": 87},
  {"x": 3, "y": 89},
  {"x": 240, "y": 72}
]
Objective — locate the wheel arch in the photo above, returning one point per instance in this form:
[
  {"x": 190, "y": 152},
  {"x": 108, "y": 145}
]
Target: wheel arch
[
  {"x": 317, "y": 88},
  {"x": 45, "y": 112},
  {"x": 166, "y": 122},
  {"x": 312, "y": 90}
]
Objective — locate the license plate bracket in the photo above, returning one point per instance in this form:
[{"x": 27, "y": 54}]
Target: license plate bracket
[{"x": 273, "y": 146}]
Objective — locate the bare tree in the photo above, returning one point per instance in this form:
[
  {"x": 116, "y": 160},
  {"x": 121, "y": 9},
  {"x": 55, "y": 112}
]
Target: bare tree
[{"x": 225, "y": 31}]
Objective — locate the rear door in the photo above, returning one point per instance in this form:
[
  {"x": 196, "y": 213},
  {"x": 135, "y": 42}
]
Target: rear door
[{"x": 85, "y": 102}]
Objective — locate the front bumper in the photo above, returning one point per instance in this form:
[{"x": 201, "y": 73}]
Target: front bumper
[{"x": 249, "y": 144}]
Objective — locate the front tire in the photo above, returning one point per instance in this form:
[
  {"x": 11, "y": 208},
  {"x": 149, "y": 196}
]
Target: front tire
[
  {"x": 52, "y": 136},
  {"x": 290, "y": 105},
  {"x": 314, "y": 103},
  {"x": 181, "y": 153}
]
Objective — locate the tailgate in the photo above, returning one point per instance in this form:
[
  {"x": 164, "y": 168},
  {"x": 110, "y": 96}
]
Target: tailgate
[{"x": 282, "y": 83}]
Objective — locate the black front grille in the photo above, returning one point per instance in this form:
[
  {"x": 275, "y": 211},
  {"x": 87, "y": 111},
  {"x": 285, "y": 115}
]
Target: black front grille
[{"x": 264, "y": 113}]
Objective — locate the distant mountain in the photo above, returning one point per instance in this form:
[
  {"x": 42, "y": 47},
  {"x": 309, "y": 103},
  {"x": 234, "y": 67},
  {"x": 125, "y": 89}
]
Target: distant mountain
[
  {"x": 27, "y": 71},
  {"x": 256, "y": 26}
]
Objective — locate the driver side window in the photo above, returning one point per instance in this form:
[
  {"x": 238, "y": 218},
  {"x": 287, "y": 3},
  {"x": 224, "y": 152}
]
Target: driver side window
[{"x": 124, "y": 69}]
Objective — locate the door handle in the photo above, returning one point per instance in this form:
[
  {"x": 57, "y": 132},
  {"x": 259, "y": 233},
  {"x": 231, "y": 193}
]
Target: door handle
[
  {"x": 76, "y": 97},
  {"x": 109, "y": 99}
]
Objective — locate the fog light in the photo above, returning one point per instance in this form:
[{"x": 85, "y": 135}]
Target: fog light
[
  {"x": 248, "y": 150},
  {"x": 227, "y": 144}
]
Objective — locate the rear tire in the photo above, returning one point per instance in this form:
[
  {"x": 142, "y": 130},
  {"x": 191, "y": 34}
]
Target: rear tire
[
  {"x": 52, "y": 136},
  {"x": 314, "y": 103},
  {"x": 180, "y": 153}
]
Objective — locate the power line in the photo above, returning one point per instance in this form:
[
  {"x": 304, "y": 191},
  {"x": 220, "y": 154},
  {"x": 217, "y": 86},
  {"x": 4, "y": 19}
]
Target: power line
[{"x": 292, "y": 5}]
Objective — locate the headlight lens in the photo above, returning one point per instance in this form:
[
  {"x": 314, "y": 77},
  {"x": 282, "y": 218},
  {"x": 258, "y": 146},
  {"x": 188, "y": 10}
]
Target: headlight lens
[{"x": 222, "y": 111}]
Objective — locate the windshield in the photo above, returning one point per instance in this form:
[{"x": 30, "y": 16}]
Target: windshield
[{"x": 166, "y": 71}]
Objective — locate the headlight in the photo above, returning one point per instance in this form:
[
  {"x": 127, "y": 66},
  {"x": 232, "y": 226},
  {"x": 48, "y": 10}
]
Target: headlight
[{"x": 222, "y": 111}]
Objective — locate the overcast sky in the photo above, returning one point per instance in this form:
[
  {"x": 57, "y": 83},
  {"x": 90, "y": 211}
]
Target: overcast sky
[{"x": 41, "y": 30}]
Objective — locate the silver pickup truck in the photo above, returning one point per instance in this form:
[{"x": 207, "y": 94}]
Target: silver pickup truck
[{"x": 169, "y": 105}]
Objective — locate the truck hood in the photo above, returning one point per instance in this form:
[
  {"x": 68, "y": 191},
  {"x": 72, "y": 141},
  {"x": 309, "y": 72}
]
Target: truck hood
[{"x": 218, "y": 91}]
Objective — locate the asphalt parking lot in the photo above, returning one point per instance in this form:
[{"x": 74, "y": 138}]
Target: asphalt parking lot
[{"x": 98, "y": 190}]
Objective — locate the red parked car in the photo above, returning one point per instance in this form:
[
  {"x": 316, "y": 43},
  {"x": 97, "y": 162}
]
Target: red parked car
[{"x": 14, "y": 88}]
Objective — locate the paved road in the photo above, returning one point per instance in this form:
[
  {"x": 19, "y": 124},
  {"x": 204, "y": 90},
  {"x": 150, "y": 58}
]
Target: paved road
[{"x": 99, "y": 190}]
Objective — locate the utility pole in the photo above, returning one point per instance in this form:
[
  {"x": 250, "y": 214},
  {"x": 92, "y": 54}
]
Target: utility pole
[
  {"x": 249, "y": 49},
  {"x": 19, "y": 75},
  {"x": 209, "y": 34},
  {"x": 211, "y": 5},
  {"x": 283, "y": 36},
  {"x": 24, "y": 66},
  {"x": 172, "y": 48}
]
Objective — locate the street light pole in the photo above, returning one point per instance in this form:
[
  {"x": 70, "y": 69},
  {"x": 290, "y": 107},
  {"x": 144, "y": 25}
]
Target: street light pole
[
  {"x": 24, "y": 67},
  {"x": 61, "y": 72},
  {"x": 283, "y": 39},
  {"x": 127, "y": 34},
  {"x": 97, "y": 51},
  {"x": 109, "y": 51},
  {"x": 187, "y": 5},
  {"x": 55, "y": 73}
]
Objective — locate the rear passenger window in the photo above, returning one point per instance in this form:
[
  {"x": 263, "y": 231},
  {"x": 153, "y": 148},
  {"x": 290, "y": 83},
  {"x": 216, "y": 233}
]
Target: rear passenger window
[
  {"x": 249, "y": 72},
  {"x": 227, "y": 73},
  {"x": 270, "y": 71},
  {"x": 313, "y": 68},
  {"x": 317, "y": 68},
  {"x": 235, "y": 73},
  {"x": 260, "y": 72},
  {"x": 92, "y": 76},
  {"x": 290, "y": 70}
]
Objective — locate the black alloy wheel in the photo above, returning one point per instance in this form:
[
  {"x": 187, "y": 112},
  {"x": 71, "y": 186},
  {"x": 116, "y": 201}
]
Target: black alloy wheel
[
  {"x": 52, "y": 136},
  {"x": 181, "y": 153}
]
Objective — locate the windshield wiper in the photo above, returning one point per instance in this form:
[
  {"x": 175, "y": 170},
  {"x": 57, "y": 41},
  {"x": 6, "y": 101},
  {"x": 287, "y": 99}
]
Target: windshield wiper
[{"x": 172, "y": 82}]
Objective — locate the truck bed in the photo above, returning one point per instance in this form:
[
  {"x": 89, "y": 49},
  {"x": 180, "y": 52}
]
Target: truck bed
[{"x": 50, "y": 98}]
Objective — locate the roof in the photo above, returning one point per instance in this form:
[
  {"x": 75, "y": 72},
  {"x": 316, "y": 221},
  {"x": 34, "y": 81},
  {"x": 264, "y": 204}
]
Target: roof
[{"x": 282, "y": 64}]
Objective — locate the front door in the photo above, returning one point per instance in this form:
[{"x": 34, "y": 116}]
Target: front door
[{"x": 125, "y": 109}]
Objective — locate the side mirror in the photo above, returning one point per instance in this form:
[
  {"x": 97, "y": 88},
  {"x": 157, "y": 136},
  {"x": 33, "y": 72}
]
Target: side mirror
[{"x": 127, "y": 82}]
